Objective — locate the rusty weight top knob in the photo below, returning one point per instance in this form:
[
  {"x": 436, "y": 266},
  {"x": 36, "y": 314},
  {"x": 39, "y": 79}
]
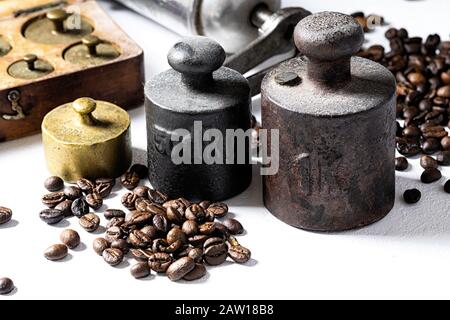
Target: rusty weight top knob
[
  {"x": 196, "y": 95},
  {"x": 336, "y": 117}
]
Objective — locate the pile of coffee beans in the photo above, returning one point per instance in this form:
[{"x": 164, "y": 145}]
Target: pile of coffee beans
[
  {"x": 368, "y": 22},
  {"x": 5, "y": 215}
]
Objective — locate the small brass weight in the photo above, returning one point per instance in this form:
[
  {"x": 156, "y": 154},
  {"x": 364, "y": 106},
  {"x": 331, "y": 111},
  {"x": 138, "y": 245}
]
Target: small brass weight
[
  {"x": 57, "y": 27},
  {"x": 29, "y": 68},
  {"x": 91, "y": 51}
]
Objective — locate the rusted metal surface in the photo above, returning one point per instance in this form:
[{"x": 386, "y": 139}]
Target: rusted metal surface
[{"x": 337, "y": 131}]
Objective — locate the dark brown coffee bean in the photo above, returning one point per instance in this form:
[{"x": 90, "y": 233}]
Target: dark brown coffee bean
[
  {"x": 218, "y": 209},
  {"x": 411, "y": 132},
  {"x": 141, "y": 254},
  {"x": 110, "y": 181},
  {"x": 443, "y": 158},
  {"x": 112, "y": 256},
  {"x": 417, "y": 78},
  {"x": 431, "y": 146},
  {"x": 444, "y": 91},
  {"x": 141, "y": 191},
  {"x": 412, "y": 196},
  {"x": 205, "y": 204},
  {"x": 113, "y": 233},
  {"x": 150, "y": 231},
  {"x": 190, "y": 228},
  {"x": 129, "y": 200},
  {"x": 65, "y": 207},
  {"x": 196, "y": 254},
  {"x": 103, "y": 189},
  {"x": 160, "y": 262},
  {"x": 221, "y": 230},
  {"x": 215, "y": 251},
  {"x": 5, "y": 215},
  {"x": 94, "y": 200},
  {"x": 138, "y": 239},
  {"x": 176, "y": 234},
  {"x": 53, "y": 184},
  {"x": 157, "y": 196},
  {"x": 431, "y": 175},
  {"x": 6, "y": 286},
  {"x": 114, "y": 213},
  {"x": 233, "y": 226},
  {"x": 51, "y": 216},
  {"x": 90, "y": 222},
  {"x": 409, "y": 149},
  {"x": 140, "y": 169},
  {"x": 174, "y": 247},
  {"x": 99, "y": 245},
  {"x": 445, "y": 143},
  {"x": 391, "y": 33},
  {"x": 174, "y": 215},
  {"x": 196, "y": 213},
  {"x": 51, "y": 200},
  {"x": 138, "y": 218},
  {"x": 87, "y": 186},
  {"x": 70, "y": 238},
  {"x": 80, "y": 207},
  {"x": 197, "y": 241},
  {"x": 140, "y": 270},
  {"x": 401, "y": 164},
  {"x": 447, "y": 186},
  {"x": 180, "y": 268},
  {"x": 121, "y": 244},
  {"x": 434, "y": 132},
  {"x": 73, "y": 193},
  {"x": 239, "y": 254},
  {"x": 129, "y": 180},
  {"x": 161, "y": 224},
  {"x": 56, "y": 252},
  {"x": 198, "y": 272},
  {"x": 159, "y": 245},
  {"x": 115, "y": 222},
  {"x": 207, "y": 228},
  {"x": 428, "y": 162}
]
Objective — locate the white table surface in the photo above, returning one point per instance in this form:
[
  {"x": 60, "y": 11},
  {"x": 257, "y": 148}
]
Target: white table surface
[{"x": 406, "y": 255}]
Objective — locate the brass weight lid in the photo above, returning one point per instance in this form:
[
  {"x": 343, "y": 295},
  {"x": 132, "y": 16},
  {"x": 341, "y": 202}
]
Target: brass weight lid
[
  {"x": 91, "y": 51},
  {"x": 57, "y": 27},
  {"x": 87, "y": 139},
  {"x": 30, "y": 67}
]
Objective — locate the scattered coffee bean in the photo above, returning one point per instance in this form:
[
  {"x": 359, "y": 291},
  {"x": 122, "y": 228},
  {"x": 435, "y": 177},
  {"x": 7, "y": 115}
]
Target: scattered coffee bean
[
  {"x": 121, "y": 244},
  {"x": 198, "y": 272},
  {"x": 237, "y": 252},
  {"x": 56, "y": 252},
  {"x": 233, "y": 226},
  {"x": 176, "y": 234},
  {"x": 446, "y": 143},
  {"x": 159, "y": 245},
  {"x": 174, "y": 215},
  {"x": 112, "y": 256},
  {"x": 110, "y": 181},
  {"x": 141, "y": 191},
  {"x": 412, "y": 196},
  {"x": 401, "y": 164},
  {"x": 53, "y": 184},
  {"x": 115, "y": 222},
  {"x": 161, "y": 224},
  {"x": 140, "y": 169},
  {"x": 104, "y": 186},
  {"x": 99, "y": 245},
  {"x": 150, "y": 231},
  {"x": 157, "y": 196},
  {"x": 431, "y": 146},
  {"x": 447, "y": 186},
  {"x": 6, "y": 286},
  {"x": 94, "y": 200},
  {"x": 114, "y": 213},
  {"x": 180, "y": 268},
  {"x": 207, "y": 228},
  {"x": 443, "y": 158},
  {"x": 51, "y": 216},
  {"x": 196, "y": 254},
  {"x": 218, "y": 209},
  {"x": 141, "y": 255},
  {"x": 138, "y": 239},
  {"x": 129, "y": 180},
  {"x": 70, "y": 238},
  {"x": 80, "y": 207},
  {"x": 86, "y": 185},
  {"x": 160, "y": 262},
  {"x": 5, "y": 215},
  {"x": 113, "y": 233},
  {"x": 51, "y": 200},
  {"x": 90, "y": 222},
  {"x": 215, "y": 251},
  {"x": 138, "y": 218},
  {"x": 129, "y": 200},
  {"x": 196, "y": 213},
  {"x": 428, "y": 162},
  {"x": 431, "y": 175},
  {"x": 140, "y": 270},
  {"x": 65, "y": 207},
  {"x": 73, "y": 193},
  {"x": 198, "y": 240},
  {"x": 190, "y": 228}
]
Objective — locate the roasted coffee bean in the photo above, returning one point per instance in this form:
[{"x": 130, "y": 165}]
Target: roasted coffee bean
[
  {"x": 87, "y": 186},
  {"x": 94, "y": 200},
  {"x": 114, "y": 213},
  {"x": 425, "y": 105},
  {"x": 110, "y": 181},
  {"x": 80, "y": 207},
  {"x": 141, "y": 255},
  {"x": 53, "y": 184},
  {"x": 115, "y": 222},
  {"x": 447, "y": 186},
  {"x": 445, "y": 143},
  {"x": 140, "y": 270},
  {"x": 56, "y": 252},
  {"x": 142, "y": 204},
  {"x": 157, "y": 196},
  {"x": 51, "y": 216},
  {"x": 103, "y": 189},
  {"x": 401, "y": 164},
  {"x": 160, "y": 262},
  {"x": 159, "y": 245},
  {"x": 138, "y": 218},
  {"x": 237, "y": 252},
  {"x": 99, "y": 245},
  {"x": 51, "y": 200},
  {"x": 221, "y": 230},
  {"x": 65, "y": 207},
  {"x": 180, "y": 268},
  {"x": 129, "y": 200},
  {"x": 411, "y": 132},
  {"x": 409, "y": 149},
  {"x": 121, "y": 244},
  {"x": 428, "y": 162},
  {"x": 233, "y": 226},
  {"x": 113, "y": 233},
  {"x": 150, "y": 231},
  {"x": 444, "y": 91},
  {"x": 431, "y": 175},
  {"x": 443, "y": 158},
  {"x": 70, "y": 238},
  {"x": 129, "y": 180},
  {"x": 218, "y": 209},
  {"x": 184, "y": 252},
  {"x": 138, "y": 239},
  {"x": 215, "y": 251},
  {"x": 197, "y": 240},
  {"x": 174, "y": 215},
  {"x": 412, "y": 196},
  {"x": 174, "y": 247},
  {"x": 157, "y": 209},
  {"x": 73, "y": 193},
  {"x": 6, "y": 286},
  {"x": 148, "y": 206},
  {"x": 140, "y": 169},
  {"x": 161, "y": 224},
  {"x": 176, "y": 234},
  {"x": 207, "y": 228},
  {"x": 112, "y": 256},
  {"x": 190, "y": 228},
  {"x": 205, "y": 204},
  {"x": 5, "y": 215},
  {"x": 141, "y": 191},
  {"x": 196, "y": 254},
  {"x": 90, "y": 222},
  {"x": 195, "y": 212},
  {"x": 198, "y": 272},
  {"x": 431, "y": 146},
  {"x": 434, "y": 132}
]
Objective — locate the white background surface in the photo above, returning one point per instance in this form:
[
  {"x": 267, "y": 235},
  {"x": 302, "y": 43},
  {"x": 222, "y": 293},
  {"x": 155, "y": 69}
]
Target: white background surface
[{"x": 407, "y": 255}]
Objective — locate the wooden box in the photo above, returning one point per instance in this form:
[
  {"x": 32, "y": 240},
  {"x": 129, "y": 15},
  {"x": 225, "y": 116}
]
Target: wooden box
[{"x": 24, "y": 103}]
